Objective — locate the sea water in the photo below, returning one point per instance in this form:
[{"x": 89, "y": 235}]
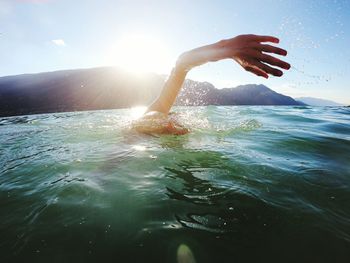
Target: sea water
[{"x": 247, "y": 184}]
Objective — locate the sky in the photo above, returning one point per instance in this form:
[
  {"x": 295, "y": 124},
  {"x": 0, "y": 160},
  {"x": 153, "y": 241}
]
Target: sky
[{"x": 48, "y": 35}]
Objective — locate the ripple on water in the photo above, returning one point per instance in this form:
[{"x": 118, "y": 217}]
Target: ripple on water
[{"x": 246, "y": 179}]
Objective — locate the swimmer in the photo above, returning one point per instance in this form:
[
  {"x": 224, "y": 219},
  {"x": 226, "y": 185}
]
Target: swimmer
[{"x": 249, "y": 51}]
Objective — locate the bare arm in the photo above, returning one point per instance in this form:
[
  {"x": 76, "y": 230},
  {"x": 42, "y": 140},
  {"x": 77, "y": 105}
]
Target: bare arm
[{"x": 246, "y": 50}]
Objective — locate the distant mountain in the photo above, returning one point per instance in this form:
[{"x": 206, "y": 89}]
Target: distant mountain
[
  {"x": 317, "y": 102},
  {"x": 76, "y": 90},
  {"x": 204, "y": 93},
  {"x": 111, "y": 88}
]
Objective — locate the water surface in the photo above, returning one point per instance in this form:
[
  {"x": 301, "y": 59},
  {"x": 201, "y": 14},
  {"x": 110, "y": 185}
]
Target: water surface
[{"x": 247, "y": 184}]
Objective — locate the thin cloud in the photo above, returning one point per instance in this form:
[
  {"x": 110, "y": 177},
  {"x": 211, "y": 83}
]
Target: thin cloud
[{"x": 59, "y": 42}]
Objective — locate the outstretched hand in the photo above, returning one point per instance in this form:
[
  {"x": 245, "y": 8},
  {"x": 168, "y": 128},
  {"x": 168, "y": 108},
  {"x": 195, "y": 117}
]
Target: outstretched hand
[
  {"x": 248, "y": 50},
  {"x": 250, "y": 53}
]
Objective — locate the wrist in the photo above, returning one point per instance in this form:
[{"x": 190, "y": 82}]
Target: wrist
[{"x": 219, "y": 50}]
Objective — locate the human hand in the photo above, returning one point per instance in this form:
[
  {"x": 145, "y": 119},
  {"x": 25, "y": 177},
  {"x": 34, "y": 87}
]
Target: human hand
[
  {"x": 247, "y": 50},
  {"x": 250, "y": 53}
]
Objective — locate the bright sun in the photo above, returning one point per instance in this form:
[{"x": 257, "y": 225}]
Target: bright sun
[{"x": 141, "y": 53}]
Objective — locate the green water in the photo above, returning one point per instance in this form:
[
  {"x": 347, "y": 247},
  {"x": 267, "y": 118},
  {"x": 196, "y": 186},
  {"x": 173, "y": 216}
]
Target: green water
[{"x": 248, "y": 184}]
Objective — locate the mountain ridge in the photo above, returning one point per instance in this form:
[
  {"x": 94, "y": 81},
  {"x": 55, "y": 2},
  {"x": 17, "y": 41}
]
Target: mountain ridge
[
  {"x": 318, "y": 101},
  {"x": 112, "y": 88}
]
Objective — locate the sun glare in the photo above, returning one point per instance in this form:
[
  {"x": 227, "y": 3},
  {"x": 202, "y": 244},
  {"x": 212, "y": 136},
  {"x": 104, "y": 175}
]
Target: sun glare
[
  {"x": 137, "y": 112},
  {"x": 141, "y": 53}
]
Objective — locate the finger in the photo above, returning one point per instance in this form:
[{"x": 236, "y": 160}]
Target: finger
[
  {"x": 267, "y": 68},
  {"x": 267, "y": 39},
  {"x": 271, "y": 49},
  {"x": 257, "y": 71},
  {"x": 274, "y": 61}
]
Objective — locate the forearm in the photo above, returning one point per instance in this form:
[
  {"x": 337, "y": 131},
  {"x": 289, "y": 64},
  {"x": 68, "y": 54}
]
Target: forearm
[
  {"x": 169, "y": 92},
  {"x": 185, "y": 63},
  {"x": 202, "y": 55}
]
